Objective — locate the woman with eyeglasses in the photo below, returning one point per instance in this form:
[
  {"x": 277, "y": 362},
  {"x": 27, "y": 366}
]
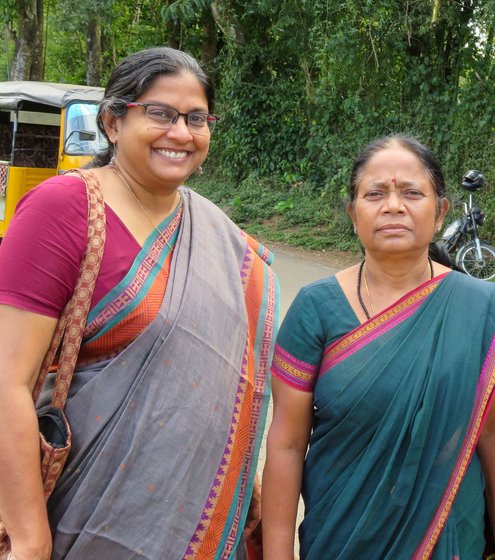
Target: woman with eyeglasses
[
  {"x": 168, "y": 401},
  {"x": 383, "y": 380}
]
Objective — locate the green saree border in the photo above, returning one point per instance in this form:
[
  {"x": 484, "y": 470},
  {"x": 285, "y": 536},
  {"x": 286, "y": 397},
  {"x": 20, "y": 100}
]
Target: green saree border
[{"x": 132, "y": 289}]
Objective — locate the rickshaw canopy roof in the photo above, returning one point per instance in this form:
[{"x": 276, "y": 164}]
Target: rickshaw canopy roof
[{"x": 13, "y": 94}]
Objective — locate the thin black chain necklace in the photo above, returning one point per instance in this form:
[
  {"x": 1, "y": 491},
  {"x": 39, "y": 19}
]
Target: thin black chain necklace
[{"x": 359, "y": 279}]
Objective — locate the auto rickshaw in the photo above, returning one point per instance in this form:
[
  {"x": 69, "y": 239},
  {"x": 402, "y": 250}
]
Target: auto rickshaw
[{"x": 45, "y": 129}]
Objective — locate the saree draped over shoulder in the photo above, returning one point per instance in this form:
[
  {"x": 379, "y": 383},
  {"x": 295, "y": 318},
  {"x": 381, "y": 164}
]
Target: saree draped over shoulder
[
  {"x": 392, "y": 471},
  {"x": 166, "y": 434}
]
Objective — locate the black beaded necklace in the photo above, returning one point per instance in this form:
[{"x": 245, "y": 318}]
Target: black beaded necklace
[{"x": 359, "y": 278}]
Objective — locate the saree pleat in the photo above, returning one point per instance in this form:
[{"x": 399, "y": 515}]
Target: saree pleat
[
  {"x": 166, "y": 435},
  {"x": 399, "y": 404}
]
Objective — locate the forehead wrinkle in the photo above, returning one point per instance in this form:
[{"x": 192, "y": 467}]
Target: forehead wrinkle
[{"x": 397, "y": 183}]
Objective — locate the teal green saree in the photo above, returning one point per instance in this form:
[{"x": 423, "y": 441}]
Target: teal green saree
[{"x": 391, "y": 471}]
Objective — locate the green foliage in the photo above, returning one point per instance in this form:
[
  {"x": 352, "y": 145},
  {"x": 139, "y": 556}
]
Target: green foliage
[
  {"x": 302, "y": 85},
  {"x": 5, "y": 63},
  {"x": 185, "y": 11},
  {"x": 8, "y": 11},
  {"x": 284, "y": 206},
  {"x": 278, "y": 211}
]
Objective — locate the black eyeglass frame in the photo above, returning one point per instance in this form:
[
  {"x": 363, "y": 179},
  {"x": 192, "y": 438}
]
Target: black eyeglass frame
[{"x": 211, "y": 120}]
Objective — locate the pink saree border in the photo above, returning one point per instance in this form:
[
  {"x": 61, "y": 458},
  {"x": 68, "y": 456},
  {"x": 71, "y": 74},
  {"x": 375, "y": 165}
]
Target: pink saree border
[
  {"x": 296, "y": 373},
  {"x": 377, "y": 325},
  {"x": 484, "y": 395}
]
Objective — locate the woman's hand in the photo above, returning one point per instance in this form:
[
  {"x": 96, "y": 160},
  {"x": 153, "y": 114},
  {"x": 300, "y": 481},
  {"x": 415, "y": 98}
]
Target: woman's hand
[{"x": 254, "y": 513}]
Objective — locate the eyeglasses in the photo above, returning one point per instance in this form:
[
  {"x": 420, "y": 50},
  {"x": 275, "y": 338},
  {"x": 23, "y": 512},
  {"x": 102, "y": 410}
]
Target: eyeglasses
[{"x": 165, "y": 117}]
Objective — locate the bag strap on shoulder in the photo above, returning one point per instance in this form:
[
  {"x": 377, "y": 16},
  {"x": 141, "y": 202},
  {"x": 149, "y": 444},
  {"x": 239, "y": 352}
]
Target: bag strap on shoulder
[{"x": 72, "y": 321}]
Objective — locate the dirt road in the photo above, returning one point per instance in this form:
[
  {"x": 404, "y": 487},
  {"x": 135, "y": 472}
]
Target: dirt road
[{"x": 296, "y": 267}]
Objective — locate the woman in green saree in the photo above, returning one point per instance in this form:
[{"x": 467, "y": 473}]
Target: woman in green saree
[{"x": 382, "y": 383}]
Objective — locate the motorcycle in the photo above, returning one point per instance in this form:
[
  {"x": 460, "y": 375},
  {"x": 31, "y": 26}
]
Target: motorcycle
[{"x": 461, "y": 238}]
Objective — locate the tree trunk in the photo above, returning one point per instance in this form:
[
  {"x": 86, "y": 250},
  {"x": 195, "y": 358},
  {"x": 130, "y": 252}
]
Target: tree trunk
[
  {"x": 173, "y": 31},
  {"x": 209, "y": 44},
  {"x": 173, "y": 35},
  {"x": 490, "y": 36},
  {"x": 435, "y": 11},
  {"x": 27, "y": 63},
  {"x": 93, "y": 51},
  {"x": 228, "y": 23}
]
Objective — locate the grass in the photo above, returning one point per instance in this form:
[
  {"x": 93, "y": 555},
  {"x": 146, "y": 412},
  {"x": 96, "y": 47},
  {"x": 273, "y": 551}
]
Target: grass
[{"x": 272, "y": 210}]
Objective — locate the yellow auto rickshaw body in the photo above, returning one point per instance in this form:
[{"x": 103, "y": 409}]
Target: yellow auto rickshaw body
[{"x": 45, "y": 129}]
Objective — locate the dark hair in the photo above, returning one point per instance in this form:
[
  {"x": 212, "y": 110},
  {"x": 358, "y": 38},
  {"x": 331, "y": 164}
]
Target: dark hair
[
  {"x": 430, "y": 164},
  {"x": 424, "y": 154},
  {"x": 134, "y": 75}
]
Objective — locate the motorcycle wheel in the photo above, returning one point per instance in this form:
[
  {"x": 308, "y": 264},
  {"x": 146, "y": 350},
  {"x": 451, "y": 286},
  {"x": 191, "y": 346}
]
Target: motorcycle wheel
[{"x": 483, "y": 269}]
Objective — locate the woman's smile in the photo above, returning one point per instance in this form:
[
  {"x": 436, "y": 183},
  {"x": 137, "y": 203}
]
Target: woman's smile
[
  {"x": 172, "y": 154},
  {"x": 163, "y": 159}
]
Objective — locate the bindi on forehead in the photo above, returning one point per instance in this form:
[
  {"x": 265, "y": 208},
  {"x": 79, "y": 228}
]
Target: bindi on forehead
[{"x": 394, "y": 183}]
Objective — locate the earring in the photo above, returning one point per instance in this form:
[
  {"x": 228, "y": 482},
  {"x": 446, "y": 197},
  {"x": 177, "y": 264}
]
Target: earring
[
  {"x": 355, "y": 229},
  {"x": 199, "y": 170},
  {"x": 114, "y": 155}
]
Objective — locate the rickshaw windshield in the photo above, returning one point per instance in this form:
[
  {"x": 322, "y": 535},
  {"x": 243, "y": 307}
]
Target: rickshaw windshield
[{"x": 82, "y": 136}]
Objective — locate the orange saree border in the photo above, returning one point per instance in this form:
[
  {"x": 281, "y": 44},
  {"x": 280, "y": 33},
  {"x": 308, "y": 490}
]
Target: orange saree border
[
  {"x": 260, "y": 300},
  {"x": 112, "y": 342}
]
